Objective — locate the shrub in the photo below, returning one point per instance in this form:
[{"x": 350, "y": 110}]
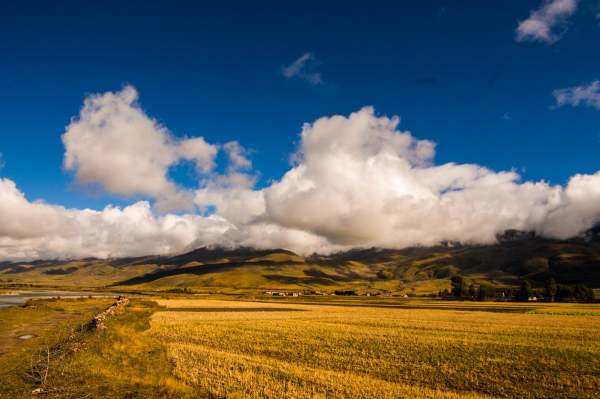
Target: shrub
[
  {"x": 525, "y": 291},
  {"x": 474, "y": 291},
  {"x": 487, "y": 292},
  {"x": 345, "y": 292},
  {"x": 385, "y": 274},
  {"x": 459, "y": 287},
  {"x": 551, "y": 289},
  {"x": 583, "y": 293},
  {"x": 564, "y": 291}
]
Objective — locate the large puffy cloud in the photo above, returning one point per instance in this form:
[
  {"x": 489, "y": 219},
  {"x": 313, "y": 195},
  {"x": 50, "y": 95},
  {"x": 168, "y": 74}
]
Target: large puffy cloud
[
  {"x": 356, "y": 181},
  {"x": 361, "y": 182},
  {"x": 115, "y": 144},
  {"x": 542, "y": 23},
  {"x": 34, "y": 230}
]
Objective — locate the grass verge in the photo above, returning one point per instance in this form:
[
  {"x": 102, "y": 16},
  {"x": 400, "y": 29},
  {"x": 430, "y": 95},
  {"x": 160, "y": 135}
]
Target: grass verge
[
  {"x": 121, "y": 361},
  {"x": 34, "y": 338}
]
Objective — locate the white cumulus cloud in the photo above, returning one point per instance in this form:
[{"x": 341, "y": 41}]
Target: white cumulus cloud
[
  {"x": 39, "y": 230},
  {"x": 357, "y": 181},
  {"x": 547, "y": 24},
  {"x": 362, "y": 182},
  {"x": 115, "y": 144}
]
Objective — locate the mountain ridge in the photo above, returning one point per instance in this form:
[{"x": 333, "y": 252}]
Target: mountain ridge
[{"x": 514, "y": 257}]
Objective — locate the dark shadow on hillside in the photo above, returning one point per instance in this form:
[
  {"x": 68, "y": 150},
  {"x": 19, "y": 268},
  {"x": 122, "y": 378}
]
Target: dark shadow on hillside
[
  {"x": 60, "y": 272},
  {"x": 299, "y": 280},
  {"x": 193, "y": 270},
  {"x": 204, "y": 255},
  {"x": 316, "y": 276}
]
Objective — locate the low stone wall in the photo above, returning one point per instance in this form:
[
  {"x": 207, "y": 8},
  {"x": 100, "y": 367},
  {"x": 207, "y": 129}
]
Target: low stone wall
[{"x": 97, "y": 323}]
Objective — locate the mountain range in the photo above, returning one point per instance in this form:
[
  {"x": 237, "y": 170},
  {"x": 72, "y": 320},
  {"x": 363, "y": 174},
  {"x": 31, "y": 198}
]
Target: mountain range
[{"x": 516, "y": 256}]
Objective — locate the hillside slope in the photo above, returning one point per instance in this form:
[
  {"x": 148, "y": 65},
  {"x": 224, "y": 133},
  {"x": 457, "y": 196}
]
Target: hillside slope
[{"x": 423, "y": 269}]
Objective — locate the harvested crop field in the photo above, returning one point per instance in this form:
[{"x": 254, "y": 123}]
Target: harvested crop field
[{"x": 299, "y": 350}]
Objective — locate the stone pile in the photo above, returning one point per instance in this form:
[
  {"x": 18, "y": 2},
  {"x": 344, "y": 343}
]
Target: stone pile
[{"x": 97, "y": 323}]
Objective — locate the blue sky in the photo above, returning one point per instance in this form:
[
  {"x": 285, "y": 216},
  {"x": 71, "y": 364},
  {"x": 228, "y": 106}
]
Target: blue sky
[
  {"x": 501, "y": 88},
  {"x": 453, "y": 71}
]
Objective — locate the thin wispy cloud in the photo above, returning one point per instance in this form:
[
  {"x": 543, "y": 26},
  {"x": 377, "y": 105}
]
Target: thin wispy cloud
[
  {"x": 547, "y": 24},
  {"x": 584, "y": 95},
  {"x": 304, "y": 68}
]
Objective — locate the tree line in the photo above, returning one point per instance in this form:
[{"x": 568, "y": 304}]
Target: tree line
[{"x": 552, "y": 291}]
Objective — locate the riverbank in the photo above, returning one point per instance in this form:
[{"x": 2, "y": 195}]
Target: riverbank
[{"x": 20, "y": 297}]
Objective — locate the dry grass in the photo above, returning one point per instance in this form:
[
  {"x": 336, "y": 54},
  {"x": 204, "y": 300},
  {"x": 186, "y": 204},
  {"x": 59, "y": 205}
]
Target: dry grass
[
  {"x": 226, "y": 348},
  {"x": 121, "y": 361},
  {"x": 342, "y": 347},
  {"x": 53, "y": 325}
]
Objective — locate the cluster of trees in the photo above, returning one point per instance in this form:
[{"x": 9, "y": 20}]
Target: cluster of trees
[
  {"x": 345, "y": 292},
  {"x": 553, "y": 290},
  {"x": 461, "y": 288},
  {"x": 179, "y": 290},
  {"x": 580, "y": 292}
]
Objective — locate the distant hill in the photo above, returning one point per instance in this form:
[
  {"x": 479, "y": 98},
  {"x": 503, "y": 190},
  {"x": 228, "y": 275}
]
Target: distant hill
[{"x": 516, "y": 256}]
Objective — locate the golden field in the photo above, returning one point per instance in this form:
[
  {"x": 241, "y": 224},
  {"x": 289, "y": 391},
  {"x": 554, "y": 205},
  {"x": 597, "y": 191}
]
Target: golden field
[
  {"x": 297, "y": 350},
  {"x": 304, "y": 347}
]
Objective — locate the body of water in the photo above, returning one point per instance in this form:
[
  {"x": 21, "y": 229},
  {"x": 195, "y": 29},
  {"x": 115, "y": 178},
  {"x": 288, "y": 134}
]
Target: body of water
[{"x": 20, "y": 297}]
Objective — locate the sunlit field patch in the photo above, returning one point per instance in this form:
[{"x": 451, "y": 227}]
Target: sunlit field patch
[{"x": 351, "y": 351}]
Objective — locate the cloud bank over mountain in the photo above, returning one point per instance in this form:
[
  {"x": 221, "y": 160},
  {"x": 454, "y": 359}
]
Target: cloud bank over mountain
[{"x": 356, "y": 181}]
